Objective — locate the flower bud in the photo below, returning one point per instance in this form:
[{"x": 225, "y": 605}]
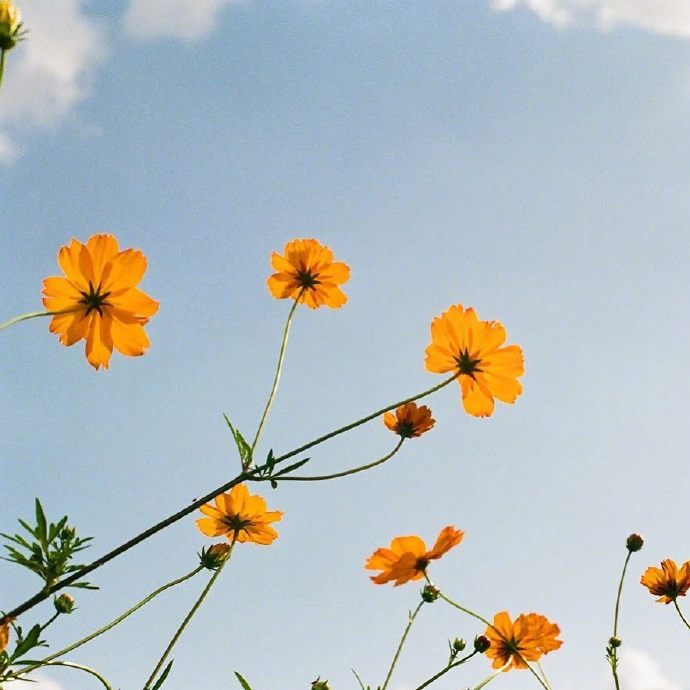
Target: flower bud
[
  {"x": 214, "y": 556},
  {"x": 319, "y": 684},
  {"x": 615, "y": 642},
  {"x": 634, "y": 542},
  {"x": 459, "y": 644},
  {"x": 64, "y": 603},
  {"x": 481, "y": 644},
  {"x": 430, "y": 594},
  {"x": 10, "y": 25}
]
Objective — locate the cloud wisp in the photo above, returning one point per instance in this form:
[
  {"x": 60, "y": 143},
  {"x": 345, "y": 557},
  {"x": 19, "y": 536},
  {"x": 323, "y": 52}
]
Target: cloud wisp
[{"x": 661, "y": 16}]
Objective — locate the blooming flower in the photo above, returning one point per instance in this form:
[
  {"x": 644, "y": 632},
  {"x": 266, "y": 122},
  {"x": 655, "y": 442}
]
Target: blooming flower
[
  {"x": 240, "y": 517},
  {"x": 308, "y": 273},
  {"x": 407, "y": 557},
  {"x": 4, "y": 636},
  {"x": 527, "y": 639},
  {"x": 409, "y": 420},
  {"x": 670, "y": 582},
  {"x": 460, "y": 342},
  {"x": 100, "y": 299},
  {"x": 10, "y": 25}
]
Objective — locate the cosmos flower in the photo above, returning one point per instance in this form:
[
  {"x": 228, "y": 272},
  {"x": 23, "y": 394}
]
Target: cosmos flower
[
  {"x": 407, "y": 557},
  {"x": 100, "y": 299},
  {"x": 239, "y": 516},
  {"x": 669, "y": 582},
  {"x": 409, "y": 420},
  {"x": 4, "y": 635},
  {"x": 10, "y": 25},
  {"x": 527, "y": 639},
  {"x": 461, "y": 343},
  {"x": 306, "y": 271}
]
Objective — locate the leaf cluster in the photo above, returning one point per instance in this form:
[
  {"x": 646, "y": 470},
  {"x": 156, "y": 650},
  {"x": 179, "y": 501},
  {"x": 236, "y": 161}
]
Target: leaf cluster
[
  {"x": 48, "y": 549},
  {"x": 25, "y": 643}
]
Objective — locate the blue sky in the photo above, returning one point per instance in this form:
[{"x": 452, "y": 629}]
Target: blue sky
[{"x": 527, "y": 158}]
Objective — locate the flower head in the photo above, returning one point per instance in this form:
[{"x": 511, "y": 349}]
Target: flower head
[
  {"x": 239, "y": 516},
  {"x": 407, "y": 557},
  {"x": 10, "y": 25},
  {"x": 669, "y": 582},
  {"x": 409, "y": 420},
  {"x": 307, "y": 272},
  {"x": 100, "y": 299},
  {"x": 4, "y": 635},
  {"x": 461, "y": 343},
  {"x": 527, "y": 639}
]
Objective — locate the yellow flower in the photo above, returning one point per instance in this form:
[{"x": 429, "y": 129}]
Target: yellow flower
[
  {"x": 10, "y": 25},
  {"x": 407, "y": 557},
  {"x": 670, "y": 582},
  {"x": 100, "y": 298},
  {"x": 307, "y": 272},
  {"x": 409, "y": 420},
  {"x": 240, "y": 517},
  {"x": 460, "y": 342},
  {"x": 5, "y": 635},
  {"x": 527, "y": 639}
]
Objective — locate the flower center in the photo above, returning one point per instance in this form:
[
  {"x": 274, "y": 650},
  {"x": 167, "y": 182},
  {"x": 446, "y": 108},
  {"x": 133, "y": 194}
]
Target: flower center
[
  {"x": 405, "y": 429},
  {"x": 307, "y": 279},
  {"x": 236, "y": 523},
  {"x": 421, "y": 564},
  {"x": 94, "y": 299},
  {"x": 466, "y": 364}
]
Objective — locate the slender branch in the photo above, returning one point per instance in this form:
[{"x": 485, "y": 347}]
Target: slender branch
[
  {"x": 613, "y": 654},
  {"x": 680, "y": 613},
  {"x": 402, "y": 643},
  {"x": 486, "y": 681},
  {"x": 195, "y": 505},
  {"x": 35, "y": 315},
  {"x": 442, "y": 672},
  {"x": 112, "y": 624},
  {"x": 335, "y": 475},
  {"x": 2, "y": 67},
  {"x": 86, "y": 669},
  {"x": 50, "y": 620},
  {"x": 276, "y": 379},
  {"x": 188, "y": 618}
]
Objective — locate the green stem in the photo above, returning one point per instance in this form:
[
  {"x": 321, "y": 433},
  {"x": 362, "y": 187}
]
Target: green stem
[
  {"x": 335, "y": 475},
  {"x": 276, "y": 378},
  {"x": 2, "y": 67},
  {"x": 35, "y": 315},
  {"x": 86, "y": 669},
  {"x": 366, "y": 419},
  {"x": 188, "y": 618},
  {"x": 112, "y": 623},
  {"x": 613, "y": 658},
  {"x": 402, "y": 643},
  {"x": 50, "y": 620},
  {"x": 680, "y": 613},
  {"x": 543, "y": 675},
  {"x": 445, "y": 670},
  {"x": 195, "y": 505},
  {"x": 486, "y": 681}
]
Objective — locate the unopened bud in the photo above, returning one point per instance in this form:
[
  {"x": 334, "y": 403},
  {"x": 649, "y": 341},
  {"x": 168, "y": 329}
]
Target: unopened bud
[
  {"x": 319, "y": 684},
  {"x": 214, "y": 556},
  {"x": 615, "y": 642},
  {"x": 634, "y": 542},
  {"x": 64, "y": 603},
  {"x": 481, "y": 644},
  {"x": 459, "y": 644},
  {"x": 430, "y": 594},
  {"x": 10, "y": 25}
]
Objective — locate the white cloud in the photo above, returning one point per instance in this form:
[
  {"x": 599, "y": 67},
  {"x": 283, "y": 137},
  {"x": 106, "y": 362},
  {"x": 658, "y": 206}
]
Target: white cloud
[
  {"x": 186, "y": 19},
  {"x": 49, "y": 73},
  {"x": 44, "y": 684},
  {"x": 662, "y": 16},
  {"x": 637, "y": 670}
]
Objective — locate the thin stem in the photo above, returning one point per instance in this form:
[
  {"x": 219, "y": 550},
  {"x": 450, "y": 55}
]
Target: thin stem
[
  {"x": 2, "y": 66},
  {"x": 402, "y": 643},
  {"x": 680, "y": 613},
  {"x": 486, "y": 681},
  {"x": 86, "y": 669},
  {"x": 543, "y": 675},
  {"x": 112, "y": 623},
  {"x": 245, "y": 475},
  {"x": 50, "y": 620},
  {"x": 188, "y": 618},
  {"x": 366, "y": 419},
  {"x": 613, "y": 655},
  {"x": 276, "y": 378},
  {"x": 335, "y": 475},
  {"x": 36, "y": 314},
  {"x": 442, "y": 672}
]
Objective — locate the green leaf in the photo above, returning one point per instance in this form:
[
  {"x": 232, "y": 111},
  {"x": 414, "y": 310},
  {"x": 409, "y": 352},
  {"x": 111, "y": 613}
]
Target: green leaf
[
  {"x": 243, "y": 447},
  {"x": 163, "y": 676},
  {"x": 243, "y": 682},
  {"x": 294, "y": 466},
  {"x": 29, "y": 642},
  {"x": 41, "y": 525}
]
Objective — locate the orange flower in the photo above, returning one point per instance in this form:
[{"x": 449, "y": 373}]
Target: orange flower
[
  {"x": 462, "y": 343},
  {"x": 527, "y": 639},
  {"x": 407, "y": 557},
  {"x": 669, "y": 582},
  {"x": 101, "y": 299},
  {"x": 409, "y": 420},
  {"x": 240, "y": 517},
  {"x": 4, "y": 635},
  {"x": 307, "y": 272}
]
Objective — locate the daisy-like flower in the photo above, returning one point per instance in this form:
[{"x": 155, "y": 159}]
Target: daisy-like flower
[
  {"x": 407, "y": 558},
  {"x": 306, "y": 271},
  {"x": 526, "y": 639},
  {"x": 99, "y": 295},
  {"x": 409, "y": 420},
  {"x": 239, "y": 516},
  {"x": 669, "y": 582},
  {"x": 461, "y": 343},
  {"x": 4, "y": 636}
]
